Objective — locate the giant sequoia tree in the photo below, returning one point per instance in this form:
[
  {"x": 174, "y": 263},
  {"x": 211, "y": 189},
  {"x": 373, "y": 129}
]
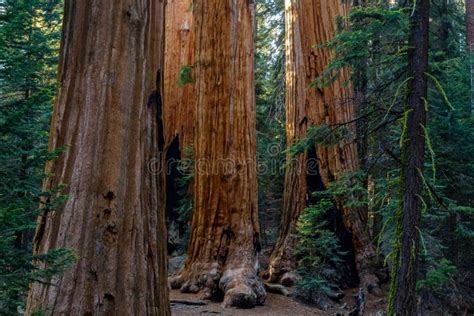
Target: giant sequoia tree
[
  {"x": 178, "y": 92},
  {"x": 310, "y": 22},
  {"x": 178, "y": 111},
  {"x": 224, "y": 241},
  {"x": 107, "y": 114}
]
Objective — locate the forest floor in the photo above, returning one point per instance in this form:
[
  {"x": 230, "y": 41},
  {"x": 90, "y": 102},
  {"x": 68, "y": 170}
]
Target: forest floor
[
  {"x": 278, "y": 305},
  {"x": 275, "y": 304}
]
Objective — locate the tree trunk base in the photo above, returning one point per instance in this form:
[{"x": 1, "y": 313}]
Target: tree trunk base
[
  {"x": 240, "y": 286},
  {"x": 282, "y": 264},
  {"x": 367, "y": 263},
  {"x": 200, "y": 277},
  {"x": 282, "y": 260},
  {"x": 370, "y": 283}
]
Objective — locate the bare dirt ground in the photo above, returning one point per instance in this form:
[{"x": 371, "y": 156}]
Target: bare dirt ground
[{"x": 278, "y": 305}]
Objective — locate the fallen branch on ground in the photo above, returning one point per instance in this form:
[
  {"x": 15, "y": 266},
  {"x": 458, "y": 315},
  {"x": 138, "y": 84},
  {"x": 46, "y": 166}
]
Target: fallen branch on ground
[
  {"x": 188, "y": 302},
  {"x": 276, "y": 288}
]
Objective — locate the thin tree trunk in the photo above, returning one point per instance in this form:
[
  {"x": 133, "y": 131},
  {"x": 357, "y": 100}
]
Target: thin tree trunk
[
  {"x": 224, "y": 242},
  {"x": 444, "y": 29},
  {"x": 108, "y": 113},
  {"x": 311, "y": 22},
  {"x": 404, "y": 271},
  {"x": 361, "y": 82},
  {"x": 470, "y": 43},
  {"x": 470, "y": 23}
]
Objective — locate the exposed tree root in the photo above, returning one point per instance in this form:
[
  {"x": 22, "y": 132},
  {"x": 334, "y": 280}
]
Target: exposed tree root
[
  {"x": 367, "y": 264},
  {"x": 241, "y": 286},
  {"x": 282, "y": 259},
  {"x": 276, "y": 288},
  {"x": 189, "y": 302},
  {"x": 370, "y": 283},
  {"x": 200, "y": 277}
]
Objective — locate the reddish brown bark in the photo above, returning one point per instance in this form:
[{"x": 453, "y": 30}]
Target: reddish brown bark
[
  {"x": 282, "y": 259},
  {"x": 310, "y": 22},
  {"x": 108, "y": 113},
  {"x": 222, "y": 252},
  {"x": 178, "y": 100},
  {"x": 178, "y": 110}
]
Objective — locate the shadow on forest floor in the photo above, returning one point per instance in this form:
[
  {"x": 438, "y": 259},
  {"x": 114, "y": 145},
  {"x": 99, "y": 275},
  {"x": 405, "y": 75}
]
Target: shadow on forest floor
[{"x": 277, "y": 305}]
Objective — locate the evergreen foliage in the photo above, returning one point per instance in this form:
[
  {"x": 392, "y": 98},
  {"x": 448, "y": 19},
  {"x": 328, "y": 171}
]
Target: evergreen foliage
[
  {"x": 270, "y": 100},
  {"x": 29, "y": 41},
  {"x": 448, "y": 172},
  {"x": 318, "y": 250},
  {"x": 372, "y": 42}
]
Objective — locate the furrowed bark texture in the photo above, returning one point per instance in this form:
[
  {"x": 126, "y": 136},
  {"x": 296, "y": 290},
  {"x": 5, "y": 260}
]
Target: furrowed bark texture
[
  {"x": 224, "y": 241},
  {"x": 404, "y": 271},
  {"x": 108, "y": 113},
  {"x": 178, "y": 108},
  {"x": 178, "y": 100},
  {"x": 311, "y": 22},
  {"x": 295, "y": 195}
]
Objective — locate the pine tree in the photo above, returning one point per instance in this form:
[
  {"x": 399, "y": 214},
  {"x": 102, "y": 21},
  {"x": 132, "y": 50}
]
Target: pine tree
[
  {"x": 407, "y": 244},
  {"x": 29, "y": 41}
]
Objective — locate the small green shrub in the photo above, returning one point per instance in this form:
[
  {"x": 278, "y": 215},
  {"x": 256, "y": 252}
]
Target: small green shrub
[
  {"x": 318, "y": 249},
  {"x": 438, "y": 277},
  {"x": 320, "y": 135}
]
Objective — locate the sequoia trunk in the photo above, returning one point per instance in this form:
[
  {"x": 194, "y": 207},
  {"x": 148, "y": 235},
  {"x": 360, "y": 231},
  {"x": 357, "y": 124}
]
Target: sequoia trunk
[
  {"x": 178, "y": 96},
  {"x": 404, "y": 271},
  {"x": 108, "y": 113},
  {"x": 178, "y": 111},
  {"x": 311, "y": 22},
  {"x": 224, "y": 241},
  {"x": 295, "y": 196}
]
